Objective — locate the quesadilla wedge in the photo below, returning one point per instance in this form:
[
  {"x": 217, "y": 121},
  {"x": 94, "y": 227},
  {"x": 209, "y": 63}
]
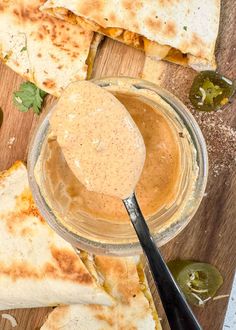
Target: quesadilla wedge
[
  {"x": 183, "y": 32},
  {"x": 42, "y": 49},
  {"x": 134, "y": 307},
  {"x": 37, "y": 267}
]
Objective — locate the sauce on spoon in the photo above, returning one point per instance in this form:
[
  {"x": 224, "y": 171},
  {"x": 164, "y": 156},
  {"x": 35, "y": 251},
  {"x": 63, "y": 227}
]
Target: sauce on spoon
[{"x": 99, "y": 139}]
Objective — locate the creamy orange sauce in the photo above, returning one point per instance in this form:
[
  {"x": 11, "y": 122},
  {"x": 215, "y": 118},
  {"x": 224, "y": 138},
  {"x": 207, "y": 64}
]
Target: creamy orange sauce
[
  {"x": 158, "y": 184},
  {"x": 99, "y": 139}
]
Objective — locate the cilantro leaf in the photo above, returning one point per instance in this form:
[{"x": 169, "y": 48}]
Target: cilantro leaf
[
  {"x": 37, "y": 102},
  {"x": 29, "y": 96}
]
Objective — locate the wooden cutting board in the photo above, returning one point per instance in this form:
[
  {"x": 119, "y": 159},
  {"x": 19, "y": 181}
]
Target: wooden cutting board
[{"x": 211, "y": 235}]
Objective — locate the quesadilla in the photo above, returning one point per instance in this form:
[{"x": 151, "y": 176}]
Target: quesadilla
[
  {"x": 134, "y": 309},
  {"x": 183, "y": 32},
  {"x": 42, "y": 49},
  {"x": 37, "y": 267}
]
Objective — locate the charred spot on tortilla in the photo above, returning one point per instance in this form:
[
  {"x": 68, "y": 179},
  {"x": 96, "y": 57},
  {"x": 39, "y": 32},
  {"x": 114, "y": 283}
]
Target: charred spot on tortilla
[
  {"x": 96, "y": 307},
  {"x": 24, "y": 208},
  {"x": 26, "y": 232},
  {"x": 132, "y": 5},
  {"x": 18, "y": 270},
  {"x": 49, "y": 83},
  {"x": 170, "y": 29},
  {"x": 108, "y": 320},
  {"x": 153, "y": 23},
  {"x": 168, "y": 2},
  {"x": 91, "y": 5},
  {"x": 67, "y": 263}
]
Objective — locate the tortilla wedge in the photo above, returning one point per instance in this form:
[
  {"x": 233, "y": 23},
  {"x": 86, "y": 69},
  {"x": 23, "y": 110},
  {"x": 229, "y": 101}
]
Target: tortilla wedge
[
  {"x": 182, "y": 32},
  {"x": 37, "y": 267},
  {"x": 42, "y": 49},
  {"x": 134, "y": 307}
]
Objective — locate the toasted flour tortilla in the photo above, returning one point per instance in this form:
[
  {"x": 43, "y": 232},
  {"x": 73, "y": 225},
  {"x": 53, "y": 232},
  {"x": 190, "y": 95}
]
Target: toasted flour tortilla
[
  {"x": 37, "y": 267},
  {"x": 183, "y": 31},
  {"x": 42, "y": 49},
  {"x": 134, "y": 307}
]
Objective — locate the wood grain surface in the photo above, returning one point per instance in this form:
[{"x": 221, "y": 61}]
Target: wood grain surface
[{"x": 211, "y": 235}]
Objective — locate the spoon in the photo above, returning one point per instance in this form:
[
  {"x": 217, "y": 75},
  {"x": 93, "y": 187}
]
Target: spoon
[
  {"x": 102, "y": 146},
  {"x": 178, "y": 312}
]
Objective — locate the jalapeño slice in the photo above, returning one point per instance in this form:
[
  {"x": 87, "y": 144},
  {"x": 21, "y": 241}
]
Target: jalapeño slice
[
  {"x": 198, "y": 281},
  {"x": 211, "y": 91}
]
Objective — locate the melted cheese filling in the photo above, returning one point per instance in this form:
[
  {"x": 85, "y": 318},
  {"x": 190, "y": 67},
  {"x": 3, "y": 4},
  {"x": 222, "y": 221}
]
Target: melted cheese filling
[
  {"x": 144, "y": 288},
  {"x": 133, "y": 39},
  {"x": 92, "y": 53}
]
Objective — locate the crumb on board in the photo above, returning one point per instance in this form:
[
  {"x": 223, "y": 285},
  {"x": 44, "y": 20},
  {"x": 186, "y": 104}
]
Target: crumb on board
[{"x": 11, "y": 141}]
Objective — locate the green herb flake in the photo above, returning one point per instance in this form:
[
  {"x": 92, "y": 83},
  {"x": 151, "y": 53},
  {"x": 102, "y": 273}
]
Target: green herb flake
[
  {"x": 29, "y": 96},
  {"x": 185, "y": 28},
  {"x": 1, "y": 117},
  {"x": 23, "y": 49}
]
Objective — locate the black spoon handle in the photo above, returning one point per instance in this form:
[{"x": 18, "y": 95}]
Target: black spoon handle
[{"x": 178, "y": 312}]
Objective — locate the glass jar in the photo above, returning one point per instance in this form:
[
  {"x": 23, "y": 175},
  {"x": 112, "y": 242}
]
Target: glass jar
[{"x": 101, "y": 237}]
